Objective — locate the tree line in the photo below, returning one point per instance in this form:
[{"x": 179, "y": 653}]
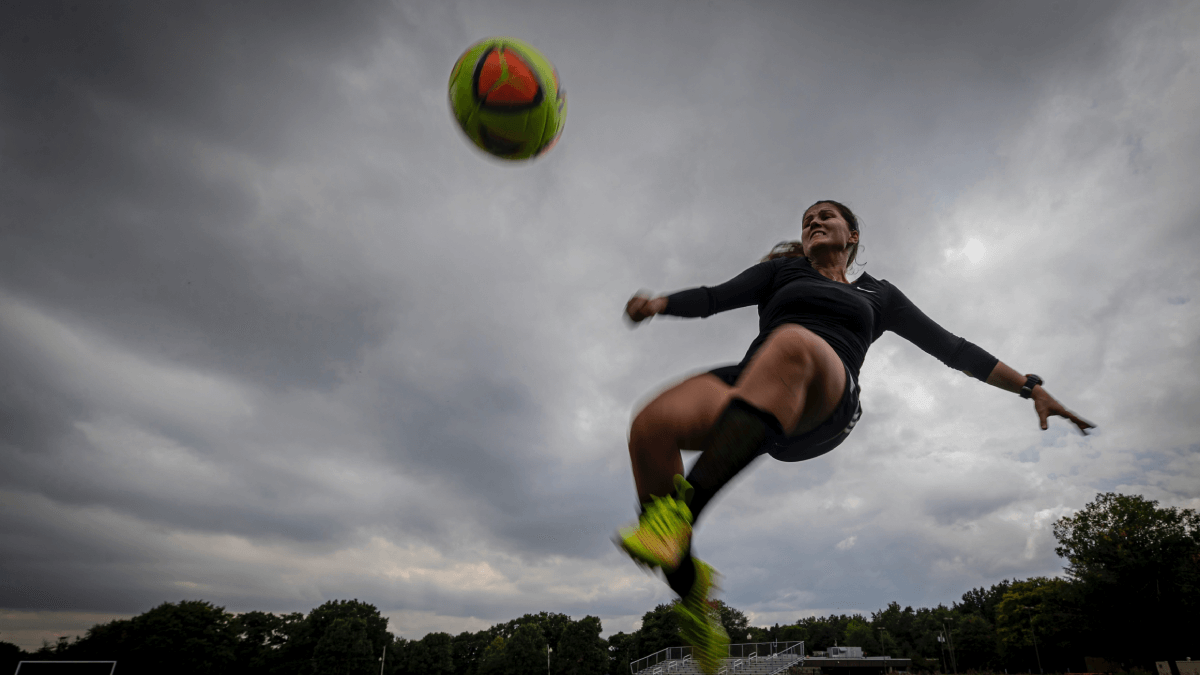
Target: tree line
[{"x": 1130, "y": 595}]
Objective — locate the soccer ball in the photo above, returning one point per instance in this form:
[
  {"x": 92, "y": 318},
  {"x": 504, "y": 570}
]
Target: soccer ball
[{"x": 506, "y": 97}]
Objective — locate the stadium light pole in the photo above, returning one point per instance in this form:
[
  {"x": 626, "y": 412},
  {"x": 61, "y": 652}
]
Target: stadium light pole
[
  {"x": 950, "y": 638},
  {"x": 382, "y": 659},
  {"x": 548, "y": 650},
  {"x": 1027, "y": 609},
  {"x": 942, "y": 644}
]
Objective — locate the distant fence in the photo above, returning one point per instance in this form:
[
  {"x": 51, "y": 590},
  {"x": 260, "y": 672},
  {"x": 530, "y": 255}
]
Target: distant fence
[
  {"x": 760, "y": 650},
  {"x": 668, "y": 654},
  {"x": 765, "y": 649}
]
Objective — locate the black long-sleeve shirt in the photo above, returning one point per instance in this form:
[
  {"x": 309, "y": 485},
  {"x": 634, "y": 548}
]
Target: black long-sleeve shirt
[{"x": 850, "y": 317}]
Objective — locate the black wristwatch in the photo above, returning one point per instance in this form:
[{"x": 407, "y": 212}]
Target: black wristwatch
[{"x": 1031, "y": 381}]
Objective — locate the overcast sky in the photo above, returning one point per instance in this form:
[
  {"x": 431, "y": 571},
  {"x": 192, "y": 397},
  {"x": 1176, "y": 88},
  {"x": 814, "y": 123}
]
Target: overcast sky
[{"x": 273, "y": 333}]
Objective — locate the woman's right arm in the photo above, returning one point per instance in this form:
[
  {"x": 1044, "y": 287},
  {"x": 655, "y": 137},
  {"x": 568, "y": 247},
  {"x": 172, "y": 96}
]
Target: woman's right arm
[{"x": 747, "y": 288}]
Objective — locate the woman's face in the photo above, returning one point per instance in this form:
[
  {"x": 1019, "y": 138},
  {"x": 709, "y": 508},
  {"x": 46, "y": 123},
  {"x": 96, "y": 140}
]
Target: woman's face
[{"x": 823, "y": 227}]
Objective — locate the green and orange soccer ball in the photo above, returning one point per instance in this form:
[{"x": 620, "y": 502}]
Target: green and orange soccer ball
[{"x": 507, "y": 98}]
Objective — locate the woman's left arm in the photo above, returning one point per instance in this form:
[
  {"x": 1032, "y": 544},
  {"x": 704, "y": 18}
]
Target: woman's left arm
[
  {"x": 1010, "y": 380},
  {"x": 903, "y": 318}
]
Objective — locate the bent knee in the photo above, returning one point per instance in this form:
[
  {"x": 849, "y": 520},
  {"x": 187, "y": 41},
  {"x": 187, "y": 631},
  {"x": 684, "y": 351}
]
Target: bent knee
[
  {"x": 657, "y": 418},
  {"x": 796, "y": 344},
  {"x": 645, "y": 422},
  {"x": 682, "y": 412}
]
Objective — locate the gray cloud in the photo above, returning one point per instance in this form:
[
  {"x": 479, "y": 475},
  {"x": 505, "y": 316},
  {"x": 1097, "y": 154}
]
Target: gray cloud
[
  {"x": 272, "y": 332},
  {"x": 128, "y": 203}
]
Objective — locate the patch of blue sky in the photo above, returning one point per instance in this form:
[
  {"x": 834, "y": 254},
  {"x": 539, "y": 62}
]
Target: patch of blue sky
[
  {"x": 1118, "y": 482},
  {"x": 1029, "y": 455}
]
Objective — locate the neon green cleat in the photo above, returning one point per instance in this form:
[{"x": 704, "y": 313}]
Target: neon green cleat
[
  {"x": 663, "y": 532},
  {"x": 700, "y": 622}
]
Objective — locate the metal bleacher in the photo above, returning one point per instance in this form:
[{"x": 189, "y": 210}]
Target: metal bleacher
[{"x": 756, "y": 658}]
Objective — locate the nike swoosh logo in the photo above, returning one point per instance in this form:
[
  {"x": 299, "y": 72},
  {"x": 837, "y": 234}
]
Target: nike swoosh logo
[{"x": 864, "y": 290}]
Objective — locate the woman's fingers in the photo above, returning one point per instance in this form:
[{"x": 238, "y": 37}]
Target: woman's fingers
[
  {"x": 637, "y": 309},
  {"x": 1083, "y": 424},
  {"x": 639, "y": 306},
  {"x": 1053, "y": 407},
  {"x": 636, "y": 305}
]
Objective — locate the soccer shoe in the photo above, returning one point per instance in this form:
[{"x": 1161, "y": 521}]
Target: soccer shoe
[
  {"x": 663, "y": 532},
  {"x": 700, "y": 622}
]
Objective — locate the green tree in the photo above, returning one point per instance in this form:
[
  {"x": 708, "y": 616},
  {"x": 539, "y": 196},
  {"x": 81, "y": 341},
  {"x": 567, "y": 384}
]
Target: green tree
[
  {"x": 11, "y": 655},
  {"x": 103, "y": 641},
  {"x": 621, "y": 651},
  {"x": 824, "y": 632},
  {"x": 859, "y": 634},
  {"x": 1035, "y": 622},
  {"x": 789, "y": 633},
  {"x": 580, "y": 650},
  {"x": 467, "y": 649},
  {"x": 525, "y": 651},
  {"x": 733, "y": 620},
  {"x": 396, "y": 662},
  {"x": 552, "y": 624},
  {"x": 492, "y": 661},
  {"x": 300, "y": 638},
  {"x": 660, "y": 629},
  {"x": 293, "y": 653},
  {"x": 431, "y": 655},
  {"x": 757, "y": 634},
  {"x": 193, "y": 632},
  {"x": 260, "y": 638},
  {"x": 1131, "y": 558},
  {"x": 192, "y": 637},
  {"x": 344, "y": 649},
  {"x": 975, "y": 643},
  {"x": 900, "y": 634},
  {"x": 982, "y": 602}
]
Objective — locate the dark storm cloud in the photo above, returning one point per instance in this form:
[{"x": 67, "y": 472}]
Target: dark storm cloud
[
  {"x": 272, "y": 332},
  {"x": 126, "y": 131},
  {"x": 952, "y": 509},
  {"x": 32, "y": 414},
  {"x": 234, "y": 74},
  {"x": 59, "y": 563},
  {"x": 852, "y": 89},
  {"x": 481, "y": 442},
  {"x": 112, "y": 216}
]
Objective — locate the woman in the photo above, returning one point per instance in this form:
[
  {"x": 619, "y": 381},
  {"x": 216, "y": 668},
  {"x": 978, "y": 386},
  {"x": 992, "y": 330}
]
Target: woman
[{"x": 794, "y": 395}]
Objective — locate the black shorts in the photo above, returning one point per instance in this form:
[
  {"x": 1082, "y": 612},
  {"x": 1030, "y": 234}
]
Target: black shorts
[{"x": 816, "y": 442}]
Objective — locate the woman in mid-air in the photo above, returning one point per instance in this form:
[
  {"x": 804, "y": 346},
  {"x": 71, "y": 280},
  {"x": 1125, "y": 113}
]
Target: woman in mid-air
[{"x": 793, "y": 396}]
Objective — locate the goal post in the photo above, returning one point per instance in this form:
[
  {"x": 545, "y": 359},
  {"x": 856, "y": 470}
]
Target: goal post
[{"x": 66, "y": 668}]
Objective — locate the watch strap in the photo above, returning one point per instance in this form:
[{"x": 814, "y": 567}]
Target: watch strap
[{"x": 1031, "y": 381}]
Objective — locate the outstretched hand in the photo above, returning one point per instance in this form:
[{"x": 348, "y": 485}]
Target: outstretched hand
[
  {"x": 1046, "y": 405},
  {"x": 641, "y": 307}
]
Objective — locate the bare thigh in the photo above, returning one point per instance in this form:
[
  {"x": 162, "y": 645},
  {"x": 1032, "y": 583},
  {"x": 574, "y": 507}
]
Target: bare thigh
[
  {"x": 686, "y": 412},
  {"x": 795, "y": 376}
]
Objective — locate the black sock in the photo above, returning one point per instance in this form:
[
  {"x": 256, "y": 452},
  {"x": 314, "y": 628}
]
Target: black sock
[
  {"x": 738, "y": 437},
  {"x": 684, "y": 576}
]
